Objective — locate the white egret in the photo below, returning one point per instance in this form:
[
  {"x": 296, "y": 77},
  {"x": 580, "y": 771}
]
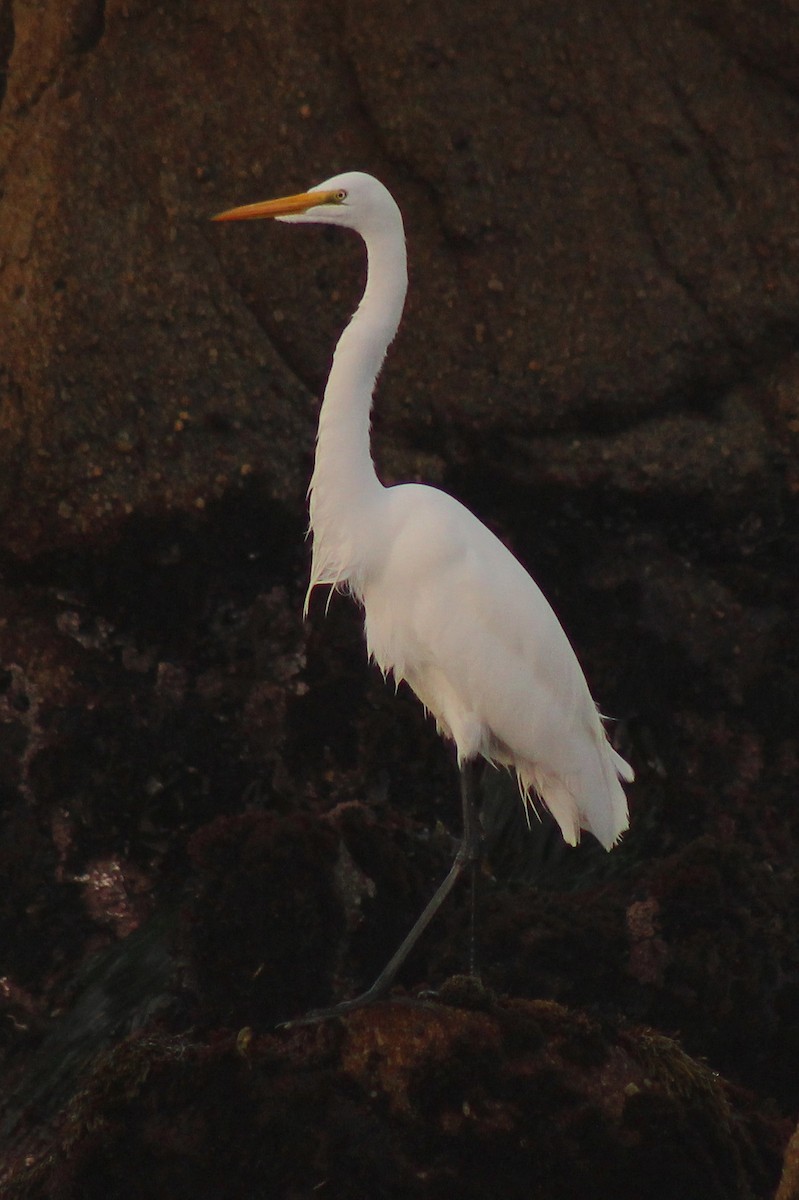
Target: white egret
[{"x": 447, "y": 607}]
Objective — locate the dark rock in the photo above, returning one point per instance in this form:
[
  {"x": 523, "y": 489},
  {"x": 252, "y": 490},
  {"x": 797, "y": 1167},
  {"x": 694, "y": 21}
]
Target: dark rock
[{"x": 213, "y": 816}]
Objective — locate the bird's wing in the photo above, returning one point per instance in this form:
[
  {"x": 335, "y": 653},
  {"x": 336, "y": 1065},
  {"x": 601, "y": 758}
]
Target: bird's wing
[
  {"x": 452, "y": 598},
  {"x": 454, "y": 613}
]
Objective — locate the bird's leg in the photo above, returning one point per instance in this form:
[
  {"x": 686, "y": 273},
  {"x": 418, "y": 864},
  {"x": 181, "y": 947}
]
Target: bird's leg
[
  {"x": 468, "y": 854},
  {"x": 473, "y": 842}
]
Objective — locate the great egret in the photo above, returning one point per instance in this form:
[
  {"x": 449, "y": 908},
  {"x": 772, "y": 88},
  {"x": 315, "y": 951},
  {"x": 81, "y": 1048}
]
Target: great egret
[{"x": 447, "y": 607}]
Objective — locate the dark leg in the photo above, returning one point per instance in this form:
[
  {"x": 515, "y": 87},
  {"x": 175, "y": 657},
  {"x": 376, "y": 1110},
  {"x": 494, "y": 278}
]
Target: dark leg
[
  {"x": 473, "y": 844},
  {"x": 468, "y": 855}
]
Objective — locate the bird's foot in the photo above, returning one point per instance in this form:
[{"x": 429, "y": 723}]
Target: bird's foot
[
  {"x": 459, "y": 991},
  {"x": 466, "y": 991},
  {"x": 317, "y": 1015}
]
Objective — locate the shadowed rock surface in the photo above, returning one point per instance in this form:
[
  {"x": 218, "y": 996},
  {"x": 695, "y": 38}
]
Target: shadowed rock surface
[
  {"x": 214, "y": 815},
  {"x": 409, "y": 1100}
]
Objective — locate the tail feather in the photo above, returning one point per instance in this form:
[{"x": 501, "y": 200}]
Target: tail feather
[
  {"x": 592, "y": 799},
  {"x": 554, "y": 795},
  {"x": 623, "y": 768}
]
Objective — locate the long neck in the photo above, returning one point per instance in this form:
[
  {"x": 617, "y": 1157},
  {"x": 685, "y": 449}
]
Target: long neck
[{"x": 344, "y": 485}]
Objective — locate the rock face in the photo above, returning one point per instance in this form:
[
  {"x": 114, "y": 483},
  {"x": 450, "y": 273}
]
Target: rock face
[
  {"x": 403, "y": 1101},
  {"x": 214, "y": 816}
]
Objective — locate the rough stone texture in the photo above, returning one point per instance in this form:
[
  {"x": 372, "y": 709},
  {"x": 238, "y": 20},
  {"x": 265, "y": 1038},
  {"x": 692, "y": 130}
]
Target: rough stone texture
[
  {"x": 789, "y": 1183},
  {"x": 408, "y": 1101},
  {"x": 212, "y": 815}
]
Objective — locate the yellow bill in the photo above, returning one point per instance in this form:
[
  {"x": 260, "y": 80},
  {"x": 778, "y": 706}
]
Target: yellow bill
[{"x": 279, "y": 208}]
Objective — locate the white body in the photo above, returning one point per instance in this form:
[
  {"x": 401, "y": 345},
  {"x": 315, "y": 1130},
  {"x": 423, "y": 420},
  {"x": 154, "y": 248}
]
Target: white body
[{"x": 448, "y": 608}]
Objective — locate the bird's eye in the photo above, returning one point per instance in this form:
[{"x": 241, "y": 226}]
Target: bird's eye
[{"x": 340, "y": 196}]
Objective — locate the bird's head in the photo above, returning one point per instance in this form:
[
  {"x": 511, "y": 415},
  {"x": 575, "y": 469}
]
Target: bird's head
[{"x": 353, "y": 200}]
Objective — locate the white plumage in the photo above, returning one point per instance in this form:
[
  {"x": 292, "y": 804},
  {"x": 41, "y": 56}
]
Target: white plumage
[
  {"x": 451, "y": 611},
  {"x": 447, "y": 607}
]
